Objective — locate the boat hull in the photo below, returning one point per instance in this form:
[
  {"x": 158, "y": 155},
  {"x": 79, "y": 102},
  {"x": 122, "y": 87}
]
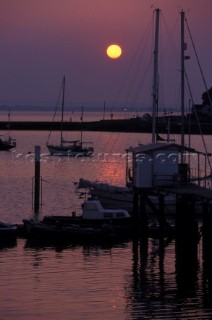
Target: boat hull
[
  {"x": 69, "y": 151},
  {"x": 6, "y": 145},
  {"x": 69, "y": 232},
  {"x": 125, "y": 201},
  {"x": 7, "y": 231}
]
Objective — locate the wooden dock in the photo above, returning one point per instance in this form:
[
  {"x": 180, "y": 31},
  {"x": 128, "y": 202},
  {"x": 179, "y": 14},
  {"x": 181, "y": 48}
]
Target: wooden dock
[{"x": 189, "y": 189}]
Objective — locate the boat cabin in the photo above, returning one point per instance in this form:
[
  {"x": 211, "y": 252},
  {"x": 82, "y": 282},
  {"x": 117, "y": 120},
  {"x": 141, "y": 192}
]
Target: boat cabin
[
  {"x": 92, "y": 209},
  {"x": 162, "y": 164}
]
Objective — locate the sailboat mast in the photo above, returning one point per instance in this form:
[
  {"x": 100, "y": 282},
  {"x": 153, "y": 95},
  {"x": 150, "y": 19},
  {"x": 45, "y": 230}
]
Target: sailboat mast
[
  {"x": 155, "y": 78},
  {"x": 63, "y": 101},
  {"x": 9, "y": 123},
  {"x": 104, "y": 111},
  {"x": 81, "y": 125},
  {"x": 183, "y": 47}
]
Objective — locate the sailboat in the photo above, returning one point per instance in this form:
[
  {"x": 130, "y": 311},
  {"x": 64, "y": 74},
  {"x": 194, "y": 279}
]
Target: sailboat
[
  {"x": 119, "y": 196},
  {"x": 7, "y": 143},
  {"x": 73, "y": 148},
  {"x": 122, "y": 197}
]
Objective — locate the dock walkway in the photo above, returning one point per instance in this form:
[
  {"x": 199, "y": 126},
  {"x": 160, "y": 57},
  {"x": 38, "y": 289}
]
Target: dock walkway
[{"x": 189, "y": 189}]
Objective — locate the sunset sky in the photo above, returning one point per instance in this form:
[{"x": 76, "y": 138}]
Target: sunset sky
[{"x": 42, "y": 40}]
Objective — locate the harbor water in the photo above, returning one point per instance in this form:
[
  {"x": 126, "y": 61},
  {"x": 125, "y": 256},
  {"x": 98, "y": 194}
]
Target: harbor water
[{"x": 130, "y": 280}]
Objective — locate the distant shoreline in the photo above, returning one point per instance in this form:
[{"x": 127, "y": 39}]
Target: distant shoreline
[{"x": 124, "y": 125}]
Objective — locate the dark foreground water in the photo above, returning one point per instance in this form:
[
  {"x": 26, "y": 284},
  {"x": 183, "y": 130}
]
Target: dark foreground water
[
  {"x": 131, "y": 280},
  {"x": 125, "y": 281}
]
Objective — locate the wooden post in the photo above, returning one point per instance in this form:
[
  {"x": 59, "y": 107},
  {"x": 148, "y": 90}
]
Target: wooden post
[
  {"x": 161, "y": 216},
  {"x": 186, "y": 243},
  {"x": 143, "y": 219},
  {"x": 135, "y": 205},
  {"x": 37, "y": 180}
]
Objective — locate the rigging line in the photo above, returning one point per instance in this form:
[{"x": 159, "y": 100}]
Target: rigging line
[
  {"x": 124, "y": 82},
  {"x": 147, "y": 32},
  {"x": 138, "y": 67},
  {"x": 128, "y": 92},
  {"x": 56, "y": 184},
  {"x": 199, "y": 125},
  {"x": 144, "y": 39},
  {"x": 72, "y": 206},
  {"x": 129, "y": 70},
  {"x": 170, "y": 36},
  {"x": 55, "y": 112},
  {"x": 139, "y": 90},
  {"x": 195, "y": 51},
  {"x": 163, "y": 55}
]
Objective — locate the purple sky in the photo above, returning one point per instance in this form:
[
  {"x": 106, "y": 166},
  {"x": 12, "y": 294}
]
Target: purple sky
[{"x": 42, "y": 40}]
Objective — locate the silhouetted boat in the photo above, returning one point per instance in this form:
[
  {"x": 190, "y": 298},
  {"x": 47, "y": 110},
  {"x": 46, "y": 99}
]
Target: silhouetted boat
[
  {"x": 60, "y": 232},
  {"x": 73, "y": 148},
  {"x": 95, "y": 223},
  {"x": 6, "y": 142},
  {"x": 7, "y": 231},
  {"x": 111, "y": 195}
]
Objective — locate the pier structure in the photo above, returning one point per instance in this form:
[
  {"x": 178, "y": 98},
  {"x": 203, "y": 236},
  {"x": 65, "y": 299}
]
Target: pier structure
[
  {"x": 193, "y": 201},
  {"x": 162, "y": 169},
  {"x": 168, "y": 169}
]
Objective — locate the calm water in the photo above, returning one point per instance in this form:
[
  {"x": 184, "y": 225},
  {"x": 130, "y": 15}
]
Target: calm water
[{"x": 125, "y": 281}]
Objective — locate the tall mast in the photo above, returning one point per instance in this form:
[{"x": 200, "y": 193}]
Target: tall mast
[
  {"x": 63, "y": 101},
  {"x": 183, "y": 48},
  {"x": 9, "y": 123},
  {"x": 155, "y": 78},
  {"x": 104, "y": 111},
  {"x": 81, "y": 125}
]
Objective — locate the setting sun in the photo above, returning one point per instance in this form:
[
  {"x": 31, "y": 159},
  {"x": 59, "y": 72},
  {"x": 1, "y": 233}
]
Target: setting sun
[{"x": 114, "y": 51}]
